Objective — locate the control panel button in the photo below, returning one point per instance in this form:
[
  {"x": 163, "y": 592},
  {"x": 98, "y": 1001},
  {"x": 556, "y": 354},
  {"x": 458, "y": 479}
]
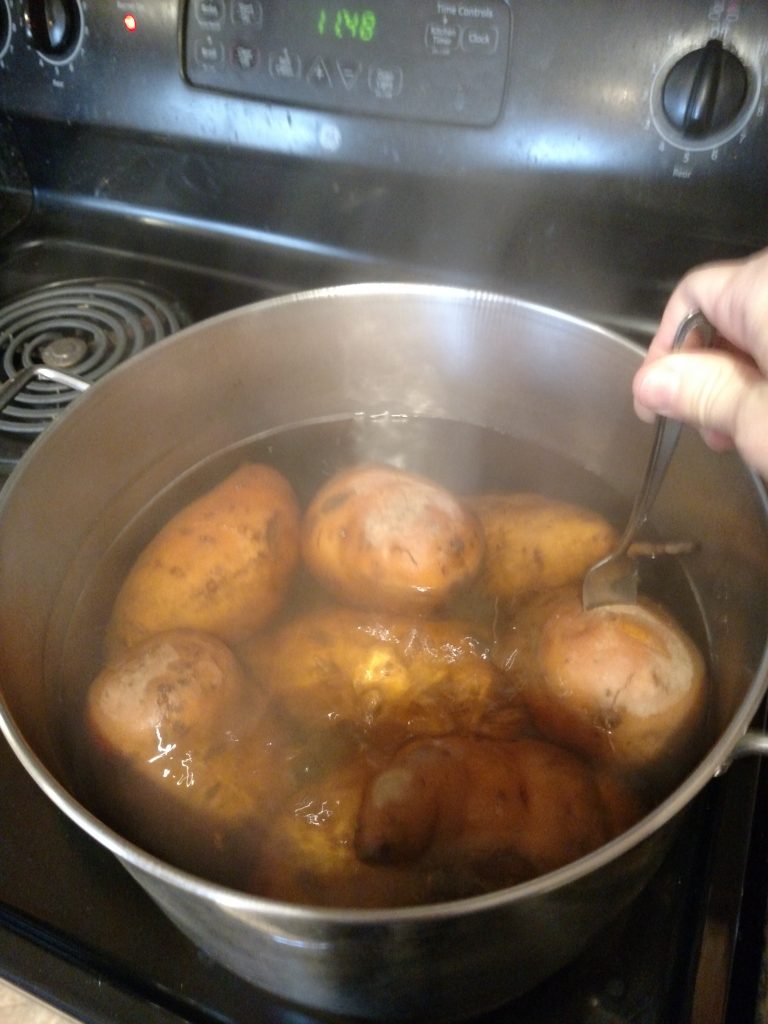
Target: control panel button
[
  {"x": 209, "y": 12},
  {"x": 247, "y": 12},
  {"x": 441, "y": 38},
  {"x": 386, "y": 83},
  {"x": 284, "y": 65},
  {"x": 480, "y": 40},
  {"x": 209, "y": 52},
  {"x": 349, "y": 72},
  {"x": 245, "y": 57},
  {"x": 318, "y": 73}
]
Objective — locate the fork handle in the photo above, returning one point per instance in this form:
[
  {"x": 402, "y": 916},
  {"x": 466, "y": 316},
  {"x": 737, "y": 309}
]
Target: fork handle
[{"x": 664, "y": 440}]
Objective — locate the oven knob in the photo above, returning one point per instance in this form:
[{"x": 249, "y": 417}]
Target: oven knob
[
  {"x": 52, "y": 27},
  {"x": 704, "y": 91}
]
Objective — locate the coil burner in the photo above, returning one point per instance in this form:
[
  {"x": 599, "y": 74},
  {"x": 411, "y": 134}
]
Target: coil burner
[{"x": 84, "y": 327}]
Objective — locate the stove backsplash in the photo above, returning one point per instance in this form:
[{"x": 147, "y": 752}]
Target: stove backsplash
[
  {"x": 15, "y": 187},
  {"x": 584, "y": 191}
]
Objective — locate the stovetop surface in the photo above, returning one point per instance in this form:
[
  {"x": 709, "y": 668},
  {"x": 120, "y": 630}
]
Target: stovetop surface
[{"x": 77, "y": 931}]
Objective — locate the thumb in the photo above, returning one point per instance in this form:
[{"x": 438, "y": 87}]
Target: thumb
[{"x": 714, "y": 392}]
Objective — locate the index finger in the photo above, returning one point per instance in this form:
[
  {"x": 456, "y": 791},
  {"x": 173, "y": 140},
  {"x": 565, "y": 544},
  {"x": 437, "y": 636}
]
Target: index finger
[{"x": 734, "y": 298}]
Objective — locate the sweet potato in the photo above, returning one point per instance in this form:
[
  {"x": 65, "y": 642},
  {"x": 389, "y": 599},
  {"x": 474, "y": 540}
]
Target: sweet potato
[
  {"x": 222, "y": 564},
  {"x": 383, "y": 674},
  {"x": 378, "y": 537},
  {"x": 487, "y": 812},
  {"x": 174, "y": 689},
  {"x": 185, "y": 750},
  {"x": 622, "y": 683},
  {"x": 533, "y": 542}
]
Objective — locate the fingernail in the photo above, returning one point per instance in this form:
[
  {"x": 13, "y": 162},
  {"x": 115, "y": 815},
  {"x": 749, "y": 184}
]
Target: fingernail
[{"x": 657, "y": 388}]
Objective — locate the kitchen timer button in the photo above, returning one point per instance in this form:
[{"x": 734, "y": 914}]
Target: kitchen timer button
[
  {"x": 245, "y": 57},
  {"x": 349, "y": 72},
  {"x": 441, "y": 38}
]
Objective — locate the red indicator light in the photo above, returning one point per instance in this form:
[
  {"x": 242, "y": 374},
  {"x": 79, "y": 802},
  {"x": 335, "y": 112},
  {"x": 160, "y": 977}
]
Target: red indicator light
[{"x": 129, "y": 20}]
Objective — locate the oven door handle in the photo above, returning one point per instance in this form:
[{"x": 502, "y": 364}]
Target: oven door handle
[{"x": 10, "y": 388}]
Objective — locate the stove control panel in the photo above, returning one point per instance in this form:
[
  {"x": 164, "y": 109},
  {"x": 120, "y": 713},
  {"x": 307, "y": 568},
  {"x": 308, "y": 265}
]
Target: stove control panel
[
  {"x": 502, "y": 140},
  {"x": 433, "y": 60}
]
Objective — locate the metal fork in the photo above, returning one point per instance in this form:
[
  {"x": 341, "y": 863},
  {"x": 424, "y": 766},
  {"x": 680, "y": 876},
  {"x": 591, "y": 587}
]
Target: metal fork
[{"x": 614, "y": 579}]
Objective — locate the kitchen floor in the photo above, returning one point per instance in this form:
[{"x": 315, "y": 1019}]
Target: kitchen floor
[{"x": 18, "y": 1008}]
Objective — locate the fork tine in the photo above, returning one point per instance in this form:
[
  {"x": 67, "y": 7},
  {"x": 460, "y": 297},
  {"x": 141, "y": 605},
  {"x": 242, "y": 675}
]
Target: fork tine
[{"x": 614, "y": 580}]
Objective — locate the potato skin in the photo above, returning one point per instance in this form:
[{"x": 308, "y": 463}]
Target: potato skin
[
  {"x": 534, "y": 542},
  {"x": 387, "y": 676},
  {"x": 222, "y": 564},
  {"x": 379, "y": 537},
  {"x": 623, "y": 684},
  {"x": 308, "y": 854},
  {"x": 443, "y": 818},
  {"x": 185, "y": 750},
  {"x": 175, "y": 688},
  {"x": 484, "y": 810}
]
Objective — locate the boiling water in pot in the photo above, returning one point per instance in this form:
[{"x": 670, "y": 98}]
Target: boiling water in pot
[{"x": 321, "y": 790}]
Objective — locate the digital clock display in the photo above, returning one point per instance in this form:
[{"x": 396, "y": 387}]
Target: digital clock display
[
  {"x": 346, "y": 23},
  {"x": 443, "y": 61}
]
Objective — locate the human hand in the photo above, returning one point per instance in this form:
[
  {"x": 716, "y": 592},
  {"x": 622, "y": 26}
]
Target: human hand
[{"x": 723, "y": 392}]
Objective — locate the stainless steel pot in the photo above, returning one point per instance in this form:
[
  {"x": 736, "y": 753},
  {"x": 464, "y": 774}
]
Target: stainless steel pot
[{"x": 533, "y": 373}]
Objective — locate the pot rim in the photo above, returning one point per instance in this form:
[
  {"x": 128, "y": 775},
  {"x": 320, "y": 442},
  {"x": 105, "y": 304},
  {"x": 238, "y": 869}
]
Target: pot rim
[{"x": 713, "y": 763}]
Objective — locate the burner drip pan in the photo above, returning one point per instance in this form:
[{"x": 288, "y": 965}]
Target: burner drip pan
[{"x": 85, "y": 327}]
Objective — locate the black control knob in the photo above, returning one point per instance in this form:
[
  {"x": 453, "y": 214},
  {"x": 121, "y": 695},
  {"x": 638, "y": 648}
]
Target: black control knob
[
  {"x": 704, "y": 91},
  {"x": 52, "y": 27}
]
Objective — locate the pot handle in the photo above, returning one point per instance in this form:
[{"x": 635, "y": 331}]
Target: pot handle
[
  {"x": 10, "y": 388},
  {"x": 752, "y": 742}
]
